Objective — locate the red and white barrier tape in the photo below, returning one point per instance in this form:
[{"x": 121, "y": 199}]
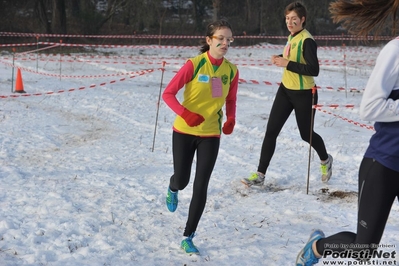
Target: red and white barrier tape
[
  {"x": 352, "y": 49},
  {"x": 181, "y": 61},
  {"x": 347, "y": 120},
  {"x": 334, "y": 105},
  {"x": 328, "y": 88},
  {"x": 139, "y": 36},
  {"x": 74, "y": 89},
  {"x": 72, "y": 76}
]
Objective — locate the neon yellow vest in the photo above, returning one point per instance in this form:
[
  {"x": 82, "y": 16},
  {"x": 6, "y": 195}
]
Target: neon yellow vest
[
  {"x": 198, "y": 98},
  {"x": 290, "y": 79}
]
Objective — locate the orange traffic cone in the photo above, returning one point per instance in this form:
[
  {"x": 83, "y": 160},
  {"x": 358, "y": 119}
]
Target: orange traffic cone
[{"x": 19, "y": 85}]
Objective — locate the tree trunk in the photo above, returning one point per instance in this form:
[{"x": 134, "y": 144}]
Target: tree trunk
[
  {"x": 199, "y": 12},
  {"x": 75, "y": 8},
  {"x": 216, "y": 7},
  {"x": 41, "y": 13},
  {"x": 248, "y": 11},
  {"x": 58, "y": 23}
]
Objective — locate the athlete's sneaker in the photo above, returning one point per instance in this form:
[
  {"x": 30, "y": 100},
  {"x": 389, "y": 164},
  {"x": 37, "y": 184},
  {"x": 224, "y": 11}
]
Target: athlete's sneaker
[
  {"x": 171, "y": 200},
  {"x": 188, "y": 246},
  {"x": 326, "y": 169},
  {"x": 306, "y": 256},
  {"x": 256, "y": 179}
]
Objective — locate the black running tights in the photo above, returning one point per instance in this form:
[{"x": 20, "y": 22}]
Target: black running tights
[
  {"x": 184, "y": 148},
  {"x": 285, "y": 101},
  {"x": 378, "y": 188}
]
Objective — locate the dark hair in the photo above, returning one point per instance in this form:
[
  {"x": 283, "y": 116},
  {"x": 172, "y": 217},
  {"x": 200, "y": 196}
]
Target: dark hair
[
  {"x": 210, "y": 31},
  {"x": 299, "y": 9},
  {"x": 362, "y": 16}
]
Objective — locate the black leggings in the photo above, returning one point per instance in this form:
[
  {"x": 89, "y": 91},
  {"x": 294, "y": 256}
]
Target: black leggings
[
  {"x": 287, "y": 100},
  {"x": 378, "y": 188},
  {"x": 184, "y": 147}
]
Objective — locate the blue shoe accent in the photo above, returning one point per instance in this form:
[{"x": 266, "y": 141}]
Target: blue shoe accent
[
  {"x": 171, "y": 200},
  {"x": 188, "y": 246},
  {"x": 306, "y": 257}
]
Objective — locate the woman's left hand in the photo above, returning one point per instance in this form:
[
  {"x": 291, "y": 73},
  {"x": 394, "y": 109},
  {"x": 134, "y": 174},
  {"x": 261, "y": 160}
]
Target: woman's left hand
[{"x": 229, "y": 126}]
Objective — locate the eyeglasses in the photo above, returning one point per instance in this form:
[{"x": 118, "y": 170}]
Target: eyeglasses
[{"x": 221, "y": 38}]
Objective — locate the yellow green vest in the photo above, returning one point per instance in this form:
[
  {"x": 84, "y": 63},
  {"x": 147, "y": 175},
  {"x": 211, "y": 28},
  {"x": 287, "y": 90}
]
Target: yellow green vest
[
  {"x": 290, "y": 79},
  {"x": 198, "y": 98}
]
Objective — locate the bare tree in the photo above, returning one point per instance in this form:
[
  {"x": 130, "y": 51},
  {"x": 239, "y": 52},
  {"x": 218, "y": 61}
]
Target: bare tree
[
  {"x": 75, "y": 8},
  {"x": 216, "y": 8},
  {"x": 248, "y": 10},
  {"x": 157, "y": 16},
  {"x": 199, "y": 13},
  {"x": 58, "y": 22},
  {"x": 40, "y": 8},
  {"x": 54, "y": 22},
  {"x": 161, "y": 10}
]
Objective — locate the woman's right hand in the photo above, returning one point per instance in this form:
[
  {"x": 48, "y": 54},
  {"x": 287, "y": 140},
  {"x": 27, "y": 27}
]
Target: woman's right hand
[
  {"x": 192, "y": 119},
  {"x": 273, "y": 59}
]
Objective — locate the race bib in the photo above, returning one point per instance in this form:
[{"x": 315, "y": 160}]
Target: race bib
[{"x": 217, "y": 88}]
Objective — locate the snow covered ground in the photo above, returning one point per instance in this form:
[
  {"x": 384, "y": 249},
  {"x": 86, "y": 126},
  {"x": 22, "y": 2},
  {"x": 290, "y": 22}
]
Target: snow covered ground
[{"x": 83, "y": 182}]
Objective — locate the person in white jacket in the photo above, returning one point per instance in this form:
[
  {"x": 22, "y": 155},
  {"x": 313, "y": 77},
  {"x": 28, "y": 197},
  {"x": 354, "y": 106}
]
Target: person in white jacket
[{"x": 379, "y": 170}]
